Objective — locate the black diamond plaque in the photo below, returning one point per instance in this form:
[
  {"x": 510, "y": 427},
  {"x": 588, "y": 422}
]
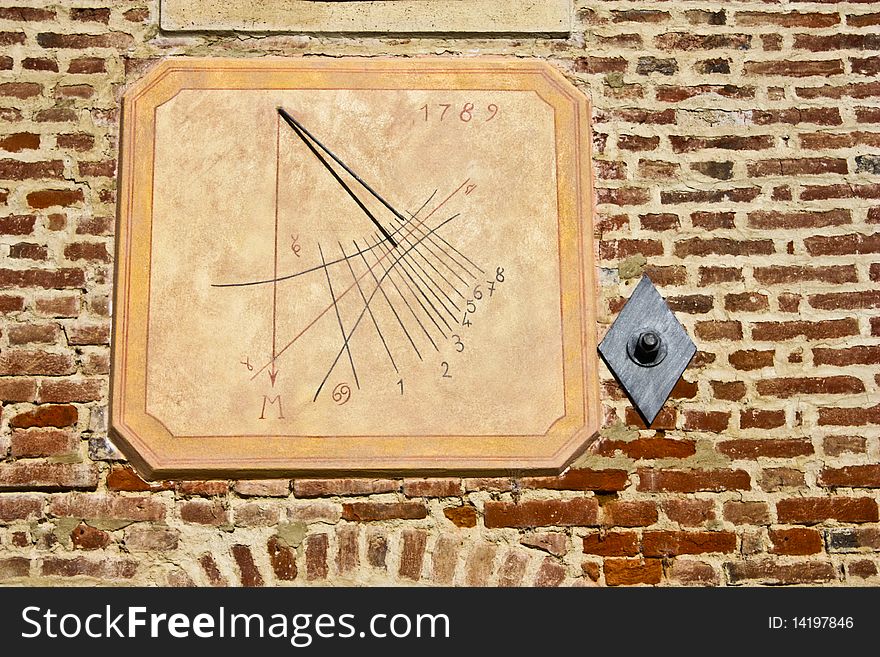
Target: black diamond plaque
[{"x": 647, "y": 349}]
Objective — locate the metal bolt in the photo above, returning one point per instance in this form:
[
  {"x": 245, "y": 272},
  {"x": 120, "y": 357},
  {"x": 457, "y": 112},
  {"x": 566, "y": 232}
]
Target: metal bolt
[{"x": 648, "y": 347}]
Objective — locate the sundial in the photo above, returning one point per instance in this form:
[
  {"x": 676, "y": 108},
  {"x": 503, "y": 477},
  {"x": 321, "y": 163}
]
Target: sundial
[{"x": 354, "y": 266}]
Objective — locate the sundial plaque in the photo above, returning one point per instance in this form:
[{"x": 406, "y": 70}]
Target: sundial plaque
[{"x": 354, "y": 266}]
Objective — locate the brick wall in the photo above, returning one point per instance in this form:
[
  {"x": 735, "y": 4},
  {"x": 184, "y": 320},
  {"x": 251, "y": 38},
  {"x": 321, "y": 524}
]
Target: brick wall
[{"x": 738, "y": 163}]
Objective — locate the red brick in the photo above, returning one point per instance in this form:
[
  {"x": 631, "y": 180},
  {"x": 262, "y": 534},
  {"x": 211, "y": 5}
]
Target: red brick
[
  {"x": 412, "y": 553},
  {"x": 60, "y": 305},
  {"x": 202, "y": 488},
  {"x": 713, "y": 220},
  {"x": 32, "y": 443},
  {"x": 19, "y": 170},
  {"x": 247, "y": 568},
  {"x": 39, "y": 64},
  {"x": 826, "y": 385},
  {"x": 115, "y": 40},
  {"x": 693, "y": 573},
  {"x": 751, "y": 359},
  {"x": 797, "y": 69},
  {"x": 715, "y": 330},
  {"x": 691, "y": 41},
  {"x": 856, "y": 355},
  {"x": 204, "y": 512},
  {"x": 79, "y": 141},
  {"x": 628, "y": 572},
  {"x": 728, "y": 390},
  {"x": 839, "y": 445},
  {"x": 86, "y": 537},
  {"x": 328, "y": 487},
  {"x": 676, "y": 94},
  {"x": 556, "y": 543},
  {"x": 599, "y": 64},
  {"x": 123, "y": 478},
  {"x": 823, "y": 192},
  {"x": 846, "y": 300},
  {"x": 637, "y": 143},
  {"x": 689, "y": 513},
  {"x": 282, "y": 558},
  {"x": 550, "y": 574},
  {"x": 67, "y": 390},
  {"x": 21, "y": 507},
  {"x": 695, "y": 304},
  {"x": 17, "y": 224},
  {"x": 691, "y": 481},
  {"x": 19, "y": 141},
  {"x": 715, "y": 421},
  {"x": 444, "y": 558},
  {"x": 461, "y": 516},
  {"x": 796, "y": 274},
  {"x": 372, "y": 511},
  {"x": 209, "y": 566},
  {"x": 851, "y": 476},
  {"x": 347, "y": 545},
  {"x": 25, "y": 475},
  {"x": 316, "y": 557},
  {"x": 580, "y": 512},
  {"x": 612, "y": 544},
  {"x": 600, "y": 480},
  {"x": 765, "y": 447},
  {"x": 840, "y": 41},
  {"x": 48, "y": 198},
  {"x": 662, "y": 221},
  {"x": 775, "y": 479},
  {"x": 813, "y": 510},
  {"x": 770, "y": 571},
  {"x": 20, "y": 334},
  {"x": 590, "y": 570},
  {"x": 722, "y": 246},
  {"x": 20, "y": 90},
  {"x": 649, "y": 448},
  {"x": 836, "y": 328},
  {"x": 28, "y": 251},
  {"x": 89, "y": 14},
  {"x": 755, "y": 418},
  {"x": 797, "y": 542},
  {"x": 642, "y": 116},
  {"x": 478, "y": 567},
  {"x": 108, "y": 568},
  {"x": 618, "y": 249},
  {"x": 849, "y": 417},
  {"x": 668, "y": 543},
  {"x": 432, "y": 487},
  {"x": 10, "y": 303},
  {"x": 681, "y": 144},
  {"x": 843, "y": 244},
  {"x": 747, "y": 513},
  {"x": 86, "y": 65},
  {"x": 788, "y": 19},
  {"x": 142, "y": 538},
  {"x": 87, "y": 506},
  {"x": 657, "y": 169},
  {"x": 91, "y": 251},
  {"x": 863, "y": 568},
  {"x": 623, "y": 195},
  {"x": 61, "y": 415}
]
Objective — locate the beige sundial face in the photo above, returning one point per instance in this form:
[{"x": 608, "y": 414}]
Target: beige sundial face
[{"x": 354, "y": 265}]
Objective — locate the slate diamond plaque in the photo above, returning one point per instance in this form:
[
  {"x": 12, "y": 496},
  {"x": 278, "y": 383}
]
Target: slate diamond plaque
[{"x": 647, "y": 349}]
